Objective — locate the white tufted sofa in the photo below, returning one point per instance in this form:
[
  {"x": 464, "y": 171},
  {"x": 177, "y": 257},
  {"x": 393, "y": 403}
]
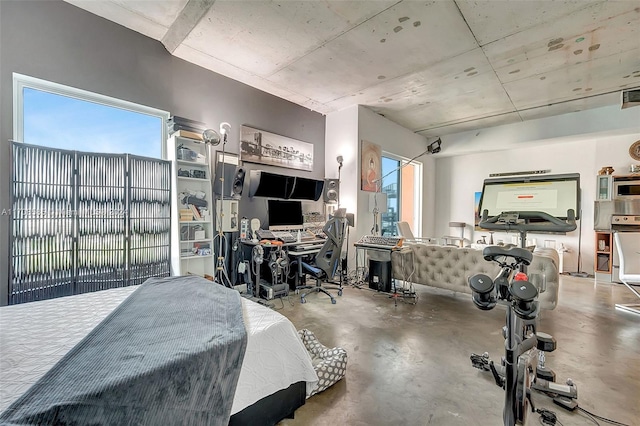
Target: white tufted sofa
[{"x": 450, "y": 267}]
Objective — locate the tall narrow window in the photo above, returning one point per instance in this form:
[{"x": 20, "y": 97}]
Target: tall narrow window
[
  {"x": 402, "y": 184},
  {"x": 391, "y": 187}
]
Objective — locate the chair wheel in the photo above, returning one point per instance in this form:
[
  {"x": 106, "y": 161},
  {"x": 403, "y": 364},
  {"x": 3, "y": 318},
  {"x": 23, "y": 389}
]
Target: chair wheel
[
  {"x": 339, "y": 292},
  {"x": 303, "y": 300},
  {"x": 333, "y": 301}
]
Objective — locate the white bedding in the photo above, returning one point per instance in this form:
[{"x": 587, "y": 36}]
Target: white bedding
[{"x": 34, "y": 336}]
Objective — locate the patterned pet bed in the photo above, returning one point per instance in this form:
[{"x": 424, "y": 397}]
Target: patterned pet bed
[{"x": 330, "y": 363}]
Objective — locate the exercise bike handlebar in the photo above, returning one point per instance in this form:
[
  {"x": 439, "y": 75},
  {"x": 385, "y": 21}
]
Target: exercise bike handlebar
[{"x": 549, "y": 224}]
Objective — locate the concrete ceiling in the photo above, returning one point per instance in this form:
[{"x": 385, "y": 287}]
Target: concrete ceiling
[{"x": 435, "y": 67}]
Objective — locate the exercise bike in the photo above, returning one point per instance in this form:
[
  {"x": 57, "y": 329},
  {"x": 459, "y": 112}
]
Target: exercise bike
[{"x": 519, "y": 370}]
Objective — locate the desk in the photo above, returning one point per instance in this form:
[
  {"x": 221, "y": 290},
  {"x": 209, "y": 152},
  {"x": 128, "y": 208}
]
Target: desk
[
  {"x": 299, "y": 254},
  {"x": 386, "y": 252},
  {"x": 293, "y": 250}
]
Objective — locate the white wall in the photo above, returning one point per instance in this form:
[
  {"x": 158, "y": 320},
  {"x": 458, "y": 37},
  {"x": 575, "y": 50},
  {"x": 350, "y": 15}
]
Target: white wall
[
  {"x": 581, "y": 142},
  {"x": 400, "y": 141},
  {"x": 576, "y": 126},
  {"x": 343, "y": 133},
  {"x": 458, "y": 177}
]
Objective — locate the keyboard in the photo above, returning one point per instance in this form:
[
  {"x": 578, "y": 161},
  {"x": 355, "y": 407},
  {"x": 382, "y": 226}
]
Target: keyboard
[
  {"x": 264, "y": 234},
  {"x": 308, "y": 236},
  {"x": 389, "y": 243},
  {"x": 305, "y": 247},
  {"x": 285, "y": 236}
]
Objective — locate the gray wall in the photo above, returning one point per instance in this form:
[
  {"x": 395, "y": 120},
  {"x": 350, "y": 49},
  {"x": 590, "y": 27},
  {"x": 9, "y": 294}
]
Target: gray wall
[{"x": 58, "y": 42}]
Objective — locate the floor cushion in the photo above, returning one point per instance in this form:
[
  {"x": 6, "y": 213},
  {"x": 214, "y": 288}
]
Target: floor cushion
[{"x": 330, "y": 363}]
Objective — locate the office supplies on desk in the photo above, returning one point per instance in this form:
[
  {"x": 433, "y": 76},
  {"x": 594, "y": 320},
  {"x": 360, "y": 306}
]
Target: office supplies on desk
[{"x": 271, "y": 243}]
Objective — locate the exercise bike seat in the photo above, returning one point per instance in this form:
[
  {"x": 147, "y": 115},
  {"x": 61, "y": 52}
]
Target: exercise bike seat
[{"x": 521, "y": 255}]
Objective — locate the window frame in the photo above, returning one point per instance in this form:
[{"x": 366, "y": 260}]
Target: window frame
[
  {"x": 417, "y": 212},
  {"x": 21, "y": 81}
]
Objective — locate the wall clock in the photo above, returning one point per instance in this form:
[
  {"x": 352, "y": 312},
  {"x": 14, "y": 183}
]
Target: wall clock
[{"x": 634, "y": 150}]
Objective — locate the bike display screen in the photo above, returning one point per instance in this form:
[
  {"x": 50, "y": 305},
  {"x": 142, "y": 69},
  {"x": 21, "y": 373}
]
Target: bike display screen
[{"x": 554, "y": 195}]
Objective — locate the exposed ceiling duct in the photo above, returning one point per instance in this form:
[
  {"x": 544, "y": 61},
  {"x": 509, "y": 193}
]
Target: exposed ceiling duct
[{"x": 630, "y": 98}]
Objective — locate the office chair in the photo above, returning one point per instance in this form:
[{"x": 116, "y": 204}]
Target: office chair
[
  {"x": 629, "y": 255},
  {"x": 326, "y": 262}
]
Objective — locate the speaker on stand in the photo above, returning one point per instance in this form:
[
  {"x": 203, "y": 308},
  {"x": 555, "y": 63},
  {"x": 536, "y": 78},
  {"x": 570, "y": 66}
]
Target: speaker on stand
[
  {"x": 331, "y": 191},
  {"x": 229, "y": 176},
  {"x": 238, "y": 182}
]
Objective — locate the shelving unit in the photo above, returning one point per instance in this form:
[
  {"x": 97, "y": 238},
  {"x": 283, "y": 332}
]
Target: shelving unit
[
  {"x": 603, "y": 256},
  {"x": 192, "y": 208}
]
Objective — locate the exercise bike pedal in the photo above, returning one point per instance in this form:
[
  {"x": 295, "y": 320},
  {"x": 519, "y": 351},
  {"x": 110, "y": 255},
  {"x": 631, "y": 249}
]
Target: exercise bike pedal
[
  {"x": 481, "y": 362},
  {"x": 568, "y": 391},
  {"x": 546, "y": 342},
  {"x": 566, "y": 403},
  {"x": 546, "y": 374}
]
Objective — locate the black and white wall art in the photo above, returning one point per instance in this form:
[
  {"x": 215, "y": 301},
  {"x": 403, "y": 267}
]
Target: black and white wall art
[{"x": 259, "y": 146}]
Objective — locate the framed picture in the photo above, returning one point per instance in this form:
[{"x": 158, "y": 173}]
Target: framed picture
[
  {"x": 259, "y": 146},
  {"x": 476, "y": 203},
  {"x": 370, "y": 167}
]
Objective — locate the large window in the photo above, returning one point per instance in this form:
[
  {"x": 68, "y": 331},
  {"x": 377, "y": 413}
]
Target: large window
[
  {"x": 56, "y": 116},
  {"x": 402, "y": 184},
  {"x": 91, "y": 197}
]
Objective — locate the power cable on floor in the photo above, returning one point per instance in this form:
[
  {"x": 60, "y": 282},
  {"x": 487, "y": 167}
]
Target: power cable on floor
[
  {"x": 588, "y": 413},
  {"x": 547, "y": 417},
  {"x": 604, "y": 419},
  {"x": 592, "y": 419}
]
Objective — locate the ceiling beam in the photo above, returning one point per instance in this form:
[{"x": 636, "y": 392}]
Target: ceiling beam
[{"x": 189, "y": 17}]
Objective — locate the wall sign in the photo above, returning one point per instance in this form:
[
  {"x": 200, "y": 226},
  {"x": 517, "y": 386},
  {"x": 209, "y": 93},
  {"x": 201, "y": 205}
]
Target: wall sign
[{"x": 634, "y": 150}]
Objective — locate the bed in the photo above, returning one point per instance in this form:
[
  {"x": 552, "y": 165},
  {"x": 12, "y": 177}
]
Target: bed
[{"x": 275, "y": 377}]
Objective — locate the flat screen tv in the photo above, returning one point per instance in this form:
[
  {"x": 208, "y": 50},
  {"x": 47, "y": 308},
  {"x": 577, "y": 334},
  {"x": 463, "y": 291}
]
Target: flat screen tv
[{"x": 553, "y": 194}]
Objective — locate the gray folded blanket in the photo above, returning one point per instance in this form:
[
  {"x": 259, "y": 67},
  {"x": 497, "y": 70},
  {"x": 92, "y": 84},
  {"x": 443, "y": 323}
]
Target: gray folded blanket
[{"x": 170, "y": 354}]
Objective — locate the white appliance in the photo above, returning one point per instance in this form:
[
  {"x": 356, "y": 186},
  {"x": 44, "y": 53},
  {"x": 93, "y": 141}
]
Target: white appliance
[{"x": 624, "y": 223}]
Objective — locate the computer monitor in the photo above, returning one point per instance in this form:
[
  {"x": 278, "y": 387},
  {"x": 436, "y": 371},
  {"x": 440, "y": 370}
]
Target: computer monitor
[
  {"x": 553, "y": 194},
  {"x": 285, "y": 215}
]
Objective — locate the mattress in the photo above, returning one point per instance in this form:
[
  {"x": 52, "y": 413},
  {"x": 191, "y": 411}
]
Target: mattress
[{"x": 34, "y": 336}]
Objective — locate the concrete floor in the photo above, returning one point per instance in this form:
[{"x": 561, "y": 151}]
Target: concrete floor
[{"x": 409, "y": 365}]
